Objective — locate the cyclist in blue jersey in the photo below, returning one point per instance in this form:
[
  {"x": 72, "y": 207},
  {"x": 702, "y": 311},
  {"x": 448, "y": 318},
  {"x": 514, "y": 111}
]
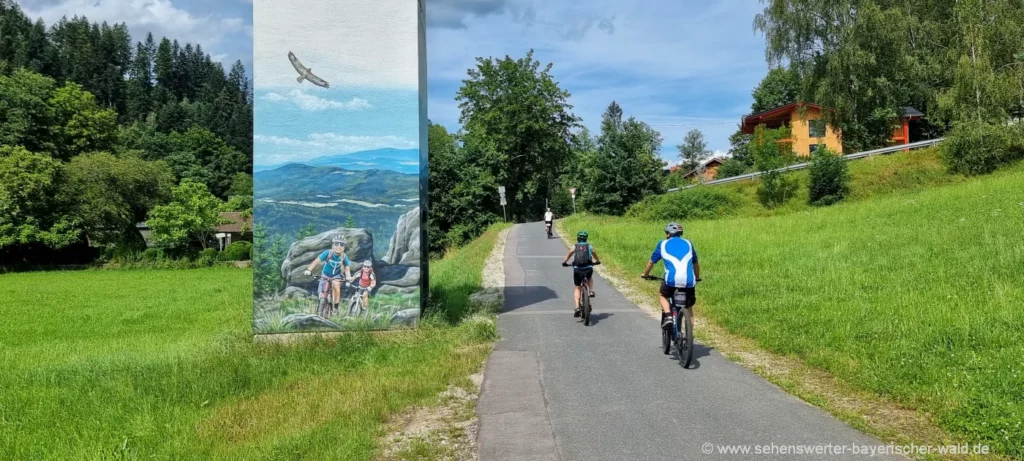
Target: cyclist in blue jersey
[
  {"x": 584, "y": 257},
  {"x": 335, "y": 262},
  {"x": 682, "y": 271}
]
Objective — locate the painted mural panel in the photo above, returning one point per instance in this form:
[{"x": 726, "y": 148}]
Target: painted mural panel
[{"x": 339, "y": 179}]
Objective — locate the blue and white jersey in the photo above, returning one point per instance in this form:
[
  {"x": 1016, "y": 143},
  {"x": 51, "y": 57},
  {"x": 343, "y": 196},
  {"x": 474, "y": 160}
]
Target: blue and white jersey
[{"x": 679, "y": 256}]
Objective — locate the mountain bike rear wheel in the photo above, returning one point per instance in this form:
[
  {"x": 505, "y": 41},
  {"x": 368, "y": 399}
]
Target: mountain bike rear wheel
[
  {"x": 685, "y": 346},
  {"x": 585, "y": 301}
]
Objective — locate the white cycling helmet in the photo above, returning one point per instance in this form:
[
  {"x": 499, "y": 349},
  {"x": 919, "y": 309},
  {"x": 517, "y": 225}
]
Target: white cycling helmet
[{"x": 367, "y": 263}]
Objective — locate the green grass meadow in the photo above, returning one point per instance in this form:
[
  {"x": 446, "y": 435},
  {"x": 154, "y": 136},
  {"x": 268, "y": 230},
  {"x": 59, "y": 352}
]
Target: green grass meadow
[
  {"x": 915, "y": 293},
  {"x": 160, "y": 364}
]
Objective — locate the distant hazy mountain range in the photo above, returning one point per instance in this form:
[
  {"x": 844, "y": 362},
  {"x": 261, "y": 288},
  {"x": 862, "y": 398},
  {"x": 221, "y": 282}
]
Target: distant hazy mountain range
[{"x": 401, "y": 160}]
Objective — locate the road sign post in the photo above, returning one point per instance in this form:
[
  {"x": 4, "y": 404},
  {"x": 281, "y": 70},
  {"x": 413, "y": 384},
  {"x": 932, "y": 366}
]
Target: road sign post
[{"x": 572, "y": 191}]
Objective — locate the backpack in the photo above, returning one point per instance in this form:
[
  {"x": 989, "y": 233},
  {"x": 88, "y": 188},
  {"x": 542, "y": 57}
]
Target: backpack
[{"x": 581, "y": 255}]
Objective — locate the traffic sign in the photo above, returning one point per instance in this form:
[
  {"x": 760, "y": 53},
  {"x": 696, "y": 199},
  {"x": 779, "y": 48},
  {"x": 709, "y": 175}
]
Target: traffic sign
[
  {"x": 572, "y": 190},
  {"x": 503, "y": 202},
  {"x": 501, "y": 190}
]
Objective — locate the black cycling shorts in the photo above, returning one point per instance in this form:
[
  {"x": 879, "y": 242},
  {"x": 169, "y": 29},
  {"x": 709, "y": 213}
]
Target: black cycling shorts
[
  {"x": 691, "y": 294},
  {"x": 577, "y": 275}
]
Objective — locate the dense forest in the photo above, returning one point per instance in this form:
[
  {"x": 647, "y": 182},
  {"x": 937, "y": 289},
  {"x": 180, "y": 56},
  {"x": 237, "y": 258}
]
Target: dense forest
[
  {"x": 961, "y": 62},
  {"x": 96, "y": 131}
]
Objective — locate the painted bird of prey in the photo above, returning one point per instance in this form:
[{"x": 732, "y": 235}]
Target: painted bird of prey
[{"x": 306, "y": 73}]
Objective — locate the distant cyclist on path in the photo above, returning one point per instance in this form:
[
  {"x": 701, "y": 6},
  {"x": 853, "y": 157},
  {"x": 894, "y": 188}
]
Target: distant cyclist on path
[
  {"x": 584, "y": 257},
  {"x": 681, "y": 269}
]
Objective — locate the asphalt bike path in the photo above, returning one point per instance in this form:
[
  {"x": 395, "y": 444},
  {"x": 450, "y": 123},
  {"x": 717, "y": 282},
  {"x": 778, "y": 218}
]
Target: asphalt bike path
[{"x": 555, "y": 389}]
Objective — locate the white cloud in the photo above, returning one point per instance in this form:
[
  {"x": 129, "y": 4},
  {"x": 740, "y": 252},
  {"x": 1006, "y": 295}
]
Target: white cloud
[
  {"x": 365, "y": 43},
  {"x": 160, "y": 16},
  {"x": 309, "y": 102},
  {"x": 681, "y": 65},
  {"x": 280, "y": 149},
  {"x": 453, "y": 13}
]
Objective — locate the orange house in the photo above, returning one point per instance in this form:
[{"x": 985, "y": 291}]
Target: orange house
[{"x": 809, "y": 131}]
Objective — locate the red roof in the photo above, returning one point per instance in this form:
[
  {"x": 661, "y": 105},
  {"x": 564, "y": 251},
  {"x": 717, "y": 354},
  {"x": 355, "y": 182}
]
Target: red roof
[
  {"x": 235, "y": 222},
  {"x": 777, "y": 114}
]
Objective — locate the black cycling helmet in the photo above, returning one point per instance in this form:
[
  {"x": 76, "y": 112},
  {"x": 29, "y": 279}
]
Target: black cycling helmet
[
  {"x": 581, "y": 236},
  {"x": 673, "y": 229}
]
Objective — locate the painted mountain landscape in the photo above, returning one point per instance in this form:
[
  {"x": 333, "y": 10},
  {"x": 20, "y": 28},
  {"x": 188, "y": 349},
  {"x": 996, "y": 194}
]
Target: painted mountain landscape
[{"x": 297, "y": 196}]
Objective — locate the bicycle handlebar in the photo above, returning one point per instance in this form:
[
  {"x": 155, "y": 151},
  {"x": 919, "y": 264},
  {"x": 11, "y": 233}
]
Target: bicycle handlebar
[
  {"x": 651, "y": 277},
  {"x": 598, "y": 263}
]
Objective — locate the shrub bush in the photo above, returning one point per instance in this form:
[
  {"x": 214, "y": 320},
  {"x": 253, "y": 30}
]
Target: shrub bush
[
  {"x": 974, "y": 148},
  {"x": 237, "y": 251},
  {"x": 208, "y": 256},
  {"x": 829, "y": 178},
  {"x": 771, "y": 151},
  {"x": 152, "y": 254},
  {"x": 732, "y": 167},
  {"x": 696, "y": 203},
  {"x": 776, "y": 189}
]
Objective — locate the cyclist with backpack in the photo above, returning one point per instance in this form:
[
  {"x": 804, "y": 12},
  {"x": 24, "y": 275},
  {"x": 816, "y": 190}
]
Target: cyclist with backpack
[
  {"x": 584, "y": 258},
  {"x": 367, "y": 279},
  {"x": 682, "y": 271},
  {"x": 335, "y": 261}
]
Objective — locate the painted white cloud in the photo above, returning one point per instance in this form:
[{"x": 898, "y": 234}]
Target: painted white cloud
[
  {"x": 306, "y": 101},
  {"x": 365, "y": 43},
  {"x": 278, "y": 149}
]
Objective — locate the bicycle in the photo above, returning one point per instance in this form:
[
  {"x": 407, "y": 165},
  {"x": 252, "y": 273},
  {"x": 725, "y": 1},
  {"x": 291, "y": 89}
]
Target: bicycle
[
  {"x": 548, "y": 226},
  {"x": 584, "y": 305},
  {"x": 671, "y": 334},
  {"x": 325, "y": 302},
  {"x": 355, "y": 304}
]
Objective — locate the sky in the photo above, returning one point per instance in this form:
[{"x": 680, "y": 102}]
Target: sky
[
  {"x": 222, "y": 27},
  {"x": 677, "y": 65}
]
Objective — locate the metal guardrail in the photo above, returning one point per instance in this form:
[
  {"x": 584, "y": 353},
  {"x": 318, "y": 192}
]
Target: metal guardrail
[{"x": 800, "y": 166}]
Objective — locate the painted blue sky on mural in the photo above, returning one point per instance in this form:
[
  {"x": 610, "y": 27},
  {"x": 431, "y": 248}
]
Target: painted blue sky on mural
[{"x": 369, "y": 58}]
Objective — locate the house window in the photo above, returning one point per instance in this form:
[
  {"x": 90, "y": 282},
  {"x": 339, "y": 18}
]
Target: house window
[
  {"x": 817, "y": 128},
  {"x": 814, "y": 147}
]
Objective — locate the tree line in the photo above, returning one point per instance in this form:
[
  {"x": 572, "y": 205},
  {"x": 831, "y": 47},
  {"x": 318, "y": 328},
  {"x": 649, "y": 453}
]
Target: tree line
[
  {"x": 519, "y": 131},
  {"x": 96, "y": 132}
]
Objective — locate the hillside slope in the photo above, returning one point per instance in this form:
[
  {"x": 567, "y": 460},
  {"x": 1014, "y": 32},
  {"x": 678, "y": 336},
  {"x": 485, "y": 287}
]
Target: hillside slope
[{"x": 915, "y": 296}]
